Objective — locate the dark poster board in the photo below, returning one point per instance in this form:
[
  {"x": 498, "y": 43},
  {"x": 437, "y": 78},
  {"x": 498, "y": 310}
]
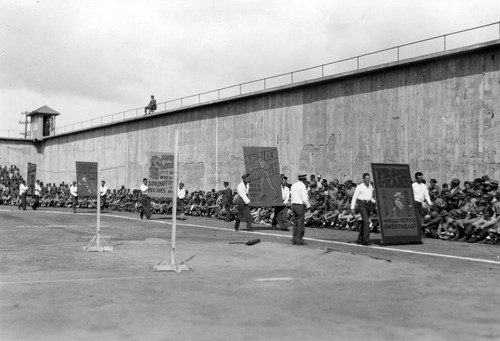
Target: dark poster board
[
  {"x": 31, "y": 178},
  {"x": 265, "y": 181},
  {"x": 395, "y": 206},
  {"x": 86, "y": 178},
  {"x": 161, "y": 175}
]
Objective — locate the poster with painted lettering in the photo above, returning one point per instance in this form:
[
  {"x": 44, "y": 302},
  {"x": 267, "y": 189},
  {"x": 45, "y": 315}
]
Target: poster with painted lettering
[
  {"x": 86, "y": 178},
  {"x": 265, "y": 183},
  {"x": 395, "y": 206},
  {"x": 31, "y": 178},
  {"x": 160, "y": 170}
]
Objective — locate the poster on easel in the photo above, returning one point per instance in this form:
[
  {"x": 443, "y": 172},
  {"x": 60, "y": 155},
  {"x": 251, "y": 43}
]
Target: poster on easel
[
  {"x": 160, "y": 171},
  {"x": 395, "y": 205},
  {"x": 86, "y": 177}
]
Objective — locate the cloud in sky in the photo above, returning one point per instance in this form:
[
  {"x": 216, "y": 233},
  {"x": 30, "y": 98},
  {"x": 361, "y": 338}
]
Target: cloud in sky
[{"x": 87, "y": 59}]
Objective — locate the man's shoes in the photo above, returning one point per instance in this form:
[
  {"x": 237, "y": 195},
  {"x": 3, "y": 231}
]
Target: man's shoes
[
  {"x": 294, "y": 242},
  {"x": 236, "y": 229},
  {"x": 367, "y": 243},
  {"x": 301, "y": 243},
  {"x": 472, "y": 240},
  {"x": 285, "y": 229}
]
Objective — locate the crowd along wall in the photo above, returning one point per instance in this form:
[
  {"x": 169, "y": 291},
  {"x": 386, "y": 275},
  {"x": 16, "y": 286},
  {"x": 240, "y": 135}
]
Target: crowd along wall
[{"x": 439, "y": 113}]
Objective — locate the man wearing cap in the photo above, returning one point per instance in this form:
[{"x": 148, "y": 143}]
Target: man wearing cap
[
  {"x": 363, "y": 197},
  {"x": 103, "y": 191},
  {"x": 280, "y": 211},
  {"x": 73, "y": 191},
  {"x": 420, "y": 195},
  {"x": 38, "y": 191},
  {"x": 145, "y": 200},
  {"x": 227, "y": 200},
  {"x": 434, "y": 187},
  {"x": 300, "y": 202},
  {"x": 151, "y": 107},
  {"x": 242, "y": 201},
  {"x": 453, "y": 196}
]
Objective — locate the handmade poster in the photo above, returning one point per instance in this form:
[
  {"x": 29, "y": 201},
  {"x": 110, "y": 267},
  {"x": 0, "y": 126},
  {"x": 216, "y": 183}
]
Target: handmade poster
[
  {"x": 395, "y": 206},
  {"x": 86, "y": 178},
  {"x": 160, "y": 175},
  {"x": 265, "y": 181},
  {"x": 31, "y": 178}
]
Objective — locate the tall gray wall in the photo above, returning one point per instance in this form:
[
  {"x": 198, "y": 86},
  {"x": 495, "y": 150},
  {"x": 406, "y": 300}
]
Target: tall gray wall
[{"x": 439, "y": 113}]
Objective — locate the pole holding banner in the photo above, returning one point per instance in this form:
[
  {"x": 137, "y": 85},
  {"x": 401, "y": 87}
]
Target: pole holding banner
[
  {"x": 172, "y": 265},
  {"x": 87, "y": 173}
]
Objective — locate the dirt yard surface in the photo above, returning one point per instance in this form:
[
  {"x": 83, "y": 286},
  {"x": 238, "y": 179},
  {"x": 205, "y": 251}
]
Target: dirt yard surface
[{"x": 329, "y": 289}]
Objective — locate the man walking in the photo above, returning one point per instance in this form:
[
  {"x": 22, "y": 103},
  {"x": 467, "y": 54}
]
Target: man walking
[
  {"x": 145, "y": 200},
  {"x": 300, "y": 202},
  {"x": 38, "y": 190},
  {"x": 242, "y": 201},
  {"x": 420, "y": 194},
  {"x": 103, "y": 192},
  {"x": 73, "y": 191},
  {"x": 22, "y": 195},
  {"x": 181, "y": 194},
  {"x": 227, "y": 200},
  {"x": 363, "y": 197}
]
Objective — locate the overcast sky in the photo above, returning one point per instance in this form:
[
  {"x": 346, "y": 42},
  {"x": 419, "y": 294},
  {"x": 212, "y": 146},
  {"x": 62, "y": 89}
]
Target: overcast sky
[{"x": 93, "y": 58}]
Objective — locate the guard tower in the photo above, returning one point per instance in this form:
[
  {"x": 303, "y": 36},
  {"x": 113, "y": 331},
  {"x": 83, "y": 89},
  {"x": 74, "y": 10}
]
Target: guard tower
[{"x": 43, "y": 122}]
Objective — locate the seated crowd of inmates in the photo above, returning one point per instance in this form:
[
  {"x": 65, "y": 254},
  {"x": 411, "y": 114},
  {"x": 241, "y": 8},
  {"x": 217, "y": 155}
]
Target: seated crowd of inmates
[{"x": 470, "y": 213}]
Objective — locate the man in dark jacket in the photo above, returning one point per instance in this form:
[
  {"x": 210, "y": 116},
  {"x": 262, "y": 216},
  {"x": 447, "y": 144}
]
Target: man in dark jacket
[{"x": 227, "y": 200}]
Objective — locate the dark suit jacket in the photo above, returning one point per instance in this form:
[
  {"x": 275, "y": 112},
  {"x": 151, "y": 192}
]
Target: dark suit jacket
[{"x": 227, "y": 197}]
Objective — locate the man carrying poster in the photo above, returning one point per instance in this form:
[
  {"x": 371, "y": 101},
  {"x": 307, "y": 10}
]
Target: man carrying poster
[{"x": 263, "y": 165}]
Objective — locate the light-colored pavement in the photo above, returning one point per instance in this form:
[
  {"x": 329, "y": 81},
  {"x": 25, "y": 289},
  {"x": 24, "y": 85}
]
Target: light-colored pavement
[{"x": 326, "y": 290}]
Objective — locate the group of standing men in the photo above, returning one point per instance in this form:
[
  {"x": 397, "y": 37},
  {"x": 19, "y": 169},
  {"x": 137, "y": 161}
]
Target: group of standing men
[{"x": 363, "y": 198}]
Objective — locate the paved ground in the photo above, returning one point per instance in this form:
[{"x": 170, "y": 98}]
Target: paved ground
[{"x": 326, "y": 290}]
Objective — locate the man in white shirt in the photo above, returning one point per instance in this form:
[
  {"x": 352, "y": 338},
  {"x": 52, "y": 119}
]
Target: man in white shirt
[
  {"x": 363, "y": 197},
  {"x": 280, "y": 211},
  {"x": 145, "y": 200},
  {"x": 181, "y": 194},
  {"x": 73, "y": 191},
  {"x": 300, "y": 202},
  {"x": 103, "y": 191},
  {"x": 22, "y": 195},
  {"x": 242, "y": 202},
  {"x": 420, "y": 194},
  {"x": 38, "y": 190}
]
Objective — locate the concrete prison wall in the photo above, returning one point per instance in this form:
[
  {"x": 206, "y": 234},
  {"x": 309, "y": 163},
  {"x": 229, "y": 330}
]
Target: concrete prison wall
[{"x": 439, "y": 113}]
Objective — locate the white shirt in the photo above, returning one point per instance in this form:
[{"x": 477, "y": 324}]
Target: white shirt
[
  {"x": 73, "y": 190},
  {"x": 299, "y": 195},
  {"x": 421, "y": 193},
  {"x": 22, "y": 188},
  {"x": 38, "y": 189},
  {"x": 362, "y": 192},
  {"x": 104, "y": 190},
  {"x": 144, "y": 189},
  {"x": 285, "y": 194},
  {"x": 243, "y": 191},
  {"x": 181, "y": 193}
]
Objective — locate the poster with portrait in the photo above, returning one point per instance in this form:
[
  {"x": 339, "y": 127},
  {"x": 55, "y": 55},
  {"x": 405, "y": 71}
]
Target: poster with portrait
[
  {"x": 160, "y": 175},
  {"x": 265, "y": 181},
  {"x": 31, "y": 178},
  {"x": 395, "y": 206},
  {"x": 86, "y": 178}
]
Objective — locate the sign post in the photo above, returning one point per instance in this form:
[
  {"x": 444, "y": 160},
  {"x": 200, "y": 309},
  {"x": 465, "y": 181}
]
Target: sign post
[
  {"x": 87, "y": 177},
  {"x": 395, "y": 206},
  {"x": 172, "y": 265}
]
